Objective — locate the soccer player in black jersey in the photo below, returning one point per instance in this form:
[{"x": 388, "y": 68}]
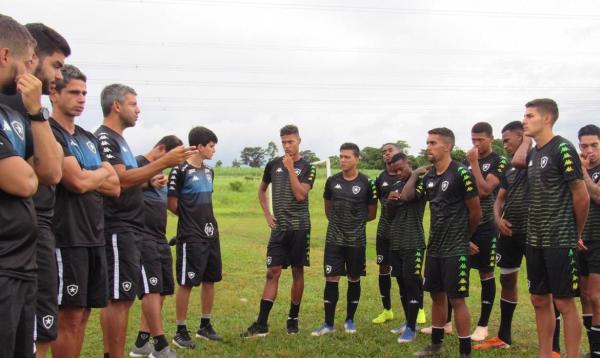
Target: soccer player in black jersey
[
  {"x": 198, "y": 260},
  {"x": 24, "y": 138},
  {"x": 589, "y": 145},
  {"x": 350, "y": 201},
  {"x": 124, "y": 221},
  {"x": 291, "y": 178},
  {"x": 455, "y": 214},
  {"x": 407, "y": 242},
  {"x": 50, "y": 54},
  {"x": 487, "y": 168},
  {"x": 157, "y": 261},
  {"x": 78, "y": 220},
  {"x": 558, "y": 209}
]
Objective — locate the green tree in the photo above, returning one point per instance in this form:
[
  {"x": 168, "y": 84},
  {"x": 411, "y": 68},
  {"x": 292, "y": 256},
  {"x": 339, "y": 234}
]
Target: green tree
[
  {"x": 458, "y": 154},
  {"x": 334, "y": 160},
  {"x": 218, "y": 164},
  {"x": 309, "y": 156},
  {"x": 272, "y": 151},
  {"x": 370, "y": 158},
  {"x": 253, "y": 156},
  {"x": 404, "y": 147},
  {"x": 236, "y": 163},
  {"x": 498, "y": 147}
]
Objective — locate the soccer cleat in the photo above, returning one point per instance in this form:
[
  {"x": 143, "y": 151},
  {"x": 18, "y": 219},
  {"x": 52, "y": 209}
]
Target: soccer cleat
[
  {"x": 490, "y": 344},
  {"x": 431, "y": 350},
  {"x": 164, "y": 353},
  {"x": 207, "y": 332},
  {"x": 400, "y": 329},
  {"x": 182, "y": 339},
  {"x": 447, "y": 329},
  {"x": 555, "y": 355},
  {"x": 384, "y": 316},
  {"x": 349, "y": 326},
  {"x": 292, "y": 326},
  {"x": 479, "y": 334},
  {"x": 421, "y": 318},
  {"x": 143, "y": 351},
  {"x": 256, "y": 330},
  {"x": 323, "y": 330},
  {"x": 407, "y": 336}
]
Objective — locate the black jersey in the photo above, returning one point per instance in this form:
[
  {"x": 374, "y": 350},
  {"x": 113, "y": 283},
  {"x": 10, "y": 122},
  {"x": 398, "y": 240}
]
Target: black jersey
[
  {"x": 406, "y": 227},
  {"x": 79, "y": 218},
  {"x": 384, "y": 183},
  {"x": 18, "y": 222},
  {"x": 349, "y": 209},
  {"x": 493, "y": 164},
  {"x": 155, "y": 208},
  {"x": 193, "y": 187},
  {"x": 551, "y": 217},
  {"x": 125, "y": 213},
  {"x": 591, "y": 231},
  {"x": 449, "y": 225},
  {"x": 289, "y": 213},
  {"x": 516, "y": 206}
]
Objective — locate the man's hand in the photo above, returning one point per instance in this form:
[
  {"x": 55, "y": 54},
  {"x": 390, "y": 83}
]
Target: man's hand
[
  {"x": 158, "y": 181},
  {"x": 178, "y": 155},
  {"x": 504, "y": 226},
  {"x": 271, "y": 221},
  {"x": 422, "y": 170},
  {"x": 473, "y": 249},
  {"x": 30, "y": 88},
  {"x": 581, "y": 246},
  {"x": 394, "y": 195},
  {"x": 585, "y": 162},
  {"x": 288, "y": 163},
  {"x": 473, "y": 155}
]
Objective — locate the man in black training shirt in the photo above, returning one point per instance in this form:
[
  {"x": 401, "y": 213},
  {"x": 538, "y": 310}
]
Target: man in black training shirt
[
  {"x": 589, "y": 145},
  {"x": 291, "y": 178},
  {"x": 558, "y": 208},
  {"x": 78, "y": 219},
  {"x": 487, "y": 167},
  {"x": 198, "y": 260},
  {"x": 455, "y": 214},
  {"x": 124, "y": 222},
  {"x": 407, "y": 242},
  {"x": 23, "y": 138},
  {"x": 157, "y": 261},
  {"x": 50, "y": 55},
  {"x": 350, "y": 201}
]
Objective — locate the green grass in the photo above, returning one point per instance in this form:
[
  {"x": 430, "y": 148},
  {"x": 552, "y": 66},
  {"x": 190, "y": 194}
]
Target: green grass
[{"x": 244, "y": 236}]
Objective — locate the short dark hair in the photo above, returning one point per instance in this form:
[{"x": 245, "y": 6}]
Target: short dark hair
[
  {"x": 590, "y": 129},
  {"x": 69, "y": 73},
  {"x": 201, "y": 136},
  {"x": 544, "y": 106},
  {"x": 398, "y": 157},
  {"x": 514, "y": 126},
  {"x": 392, "y": 144},
  {"x": 351, "y": 146},
  {"x": 48, "y": 40},
  {"x": 445, "y": 133},
  {"x": 483, "y": 127},
  {"x": 288, "y": 130},
  {"x": 15, "y": 36},
  {"x": 170, "y": 142}
]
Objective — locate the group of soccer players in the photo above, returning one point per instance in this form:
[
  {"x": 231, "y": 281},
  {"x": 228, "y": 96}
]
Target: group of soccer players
[{"x": 83, "y": 222}]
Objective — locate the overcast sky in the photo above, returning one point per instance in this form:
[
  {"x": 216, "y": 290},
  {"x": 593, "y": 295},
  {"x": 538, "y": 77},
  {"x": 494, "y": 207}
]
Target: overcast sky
[{"x": 342, "y": 70}]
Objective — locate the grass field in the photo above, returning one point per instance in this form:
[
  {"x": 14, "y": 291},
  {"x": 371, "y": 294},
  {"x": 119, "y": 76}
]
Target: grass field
[{"x": 244, "y": 235}]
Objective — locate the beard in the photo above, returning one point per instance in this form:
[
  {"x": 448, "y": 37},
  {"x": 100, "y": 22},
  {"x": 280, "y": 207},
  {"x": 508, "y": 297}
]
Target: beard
[
  {"x": 10, "y": 88},
  {"x": 46, "y": 84}
]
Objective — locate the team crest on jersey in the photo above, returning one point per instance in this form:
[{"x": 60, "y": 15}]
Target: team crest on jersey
[
  {"x": 72, "y": 290},
  {"x": 191, "y": 275},
  {"x": 486, "y": 167},
  {"x": 298, "y": 171},
  {"x": 356, "y": 189},
  {"x": 544, "y": 161},
  {"x": 209, "y": 229},
  {"x": 445, "y": 184},
  {"x": 153, "y": 281},
  {"x": 328, "y": 269},
  {"x": 498, "y": 258},
  {"x": 92, "y": 147},
  {"x": 269, "y": 260},
  {"x": 379, "y": 259},
  {"x": 48, "y": 321},
  {"x": 18, "y": 127},
  {"x": 595, "y": 176},
  {"x": 126, "y": 286}
]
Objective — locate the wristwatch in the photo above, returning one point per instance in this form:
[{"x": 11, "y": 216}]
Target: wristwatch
[{"x": 42, "y": 116}]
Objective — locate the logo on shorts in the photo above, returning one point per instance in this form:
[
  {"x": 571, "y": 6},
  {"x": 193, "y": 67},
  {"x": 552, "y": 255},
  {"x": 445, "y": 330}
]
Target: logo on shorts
[
  {"x": 48, "y": 321},
  {"x": 153, "y": 281},
  {"x": 269, "y": 260},
  {"x": 356, "y": 189},
  {"x": 486, "y": 167},
  {"x": 191, "y": 275},
  {"x": 544, "y": 161},
  {"x": 298, "y": 171},
  {"x": 379, "y": 259},
  {"x": 445, "y": 184},
  {"x": 72, "y": 290},
  {"x": 328, "y": 269},
  {"x": 18, "y": 127},
  {"x": 209, "y": 229},
  {"x": 126, "y": 286}
]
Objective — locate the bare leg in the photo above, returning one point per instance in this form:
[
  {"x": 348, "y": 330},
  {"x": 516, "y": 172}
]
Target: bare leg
[
  {"x": 114, "y": 319},
  {"x": 545, "y": 320}
]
